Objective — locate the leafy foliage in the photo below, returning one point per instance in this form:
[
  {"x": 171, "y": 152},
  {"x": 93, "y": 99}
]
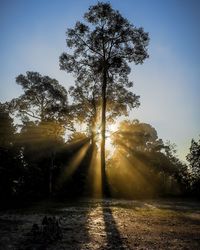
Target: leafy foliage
[
  {"x": 107, "y": 43},
  {"x": 44, "y": 99},
  {"x": 108, "y": 40}
]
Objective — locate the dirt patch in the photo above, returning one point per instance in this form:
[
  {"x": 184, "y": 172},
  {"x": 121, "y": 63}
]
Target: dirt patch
[{"x": 106, "y": 224}]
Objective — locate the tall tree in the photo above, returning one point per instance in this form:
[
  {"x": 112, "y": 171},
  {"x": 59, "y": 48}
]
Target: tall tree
[{"x": 103, "y": 48}]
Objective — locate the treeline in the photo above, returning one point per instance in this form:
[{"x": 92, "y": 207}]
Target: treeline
[
  {"x": 34, "y": 159},
  {"x": 49, "y": 146},
  {"x": 43, "y": 153}
]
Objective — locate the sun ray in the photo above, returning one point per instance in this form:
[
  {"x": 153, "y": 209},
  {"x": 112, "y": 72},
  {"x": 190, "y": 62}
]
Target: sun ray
[
  {"x": 126, "y": 178},
  {"x": 73, "y": 164},
  {"x": 110, "y": 131},
  {"x": 94, "y": 175}
]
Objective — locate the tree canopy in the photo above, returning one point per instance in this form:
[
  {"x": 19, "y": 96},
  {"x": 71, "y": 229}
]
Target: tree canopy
[{"x": 43, "y": 98}]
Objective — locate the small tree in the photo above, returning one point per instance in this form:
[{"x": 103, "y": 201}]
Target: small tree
[
  {"x": 194, "y": 163},
  {"x": 103, "y": 48}
]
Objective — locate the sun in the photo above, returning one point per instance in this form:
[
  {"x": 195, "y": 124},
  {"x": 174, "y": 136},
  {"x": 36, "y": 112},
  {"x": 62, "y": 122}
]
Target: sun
[{"x": 111, "y": 129}]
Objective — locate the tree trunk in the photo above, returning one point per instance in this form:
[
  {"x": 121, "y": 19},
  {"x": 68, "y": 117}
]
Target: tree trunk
[
  {"x": 103, "y": 135},
  {"x": 50, "y": 174},
  {"x": 93, "y": 133}
]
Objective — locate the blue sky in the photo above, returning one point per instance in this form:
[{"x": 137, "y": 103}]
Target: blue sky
[{"x": 33, "y": 37}]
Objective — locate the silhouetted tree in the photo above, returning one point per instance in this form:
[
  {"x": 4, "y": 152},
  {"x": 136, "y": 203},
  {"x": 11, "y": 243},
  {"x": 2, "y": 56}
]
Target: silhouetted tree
[
  {"x": 103, "y": 48},
  {"x": 149, "y": 158},
  {"x": 44, "y": 99},
  {"x": 43, "y": 102},
  {"x": 194, "y": 164},
  {"x": 137, "y": 136},
  {"x": 11, "y": 166},
  {"x": 39, "y": 146},
  {"x": 8, "y": 129},
  {"x": 176, "y": 168}
]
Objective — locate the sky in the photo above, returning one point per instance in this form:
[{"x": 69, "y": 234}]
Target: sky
[{"x": 33, "y": 38}]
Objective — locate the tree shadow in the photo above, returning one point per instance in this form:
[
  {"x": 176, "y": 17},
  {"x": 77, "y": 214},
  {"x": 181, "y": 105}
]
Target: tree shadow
[{"x": 114, "y": 239}]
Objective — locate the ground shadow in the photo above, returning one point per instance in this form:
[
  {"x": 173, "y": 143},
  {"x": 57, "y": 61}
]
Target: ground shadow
[{"x": 114, "y": 239}]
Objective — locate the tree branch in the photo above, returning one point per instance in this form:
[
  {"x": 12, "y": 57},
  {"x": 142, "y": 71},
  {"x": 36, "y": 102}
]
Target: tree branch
[
  {"x": 32, "y": 115},
  {"x": 88, "y": 46}
]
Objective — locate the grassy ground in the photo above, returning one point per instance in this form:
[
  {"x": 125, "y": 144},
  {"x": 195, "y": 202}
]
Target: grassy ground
[{"x": 107, "y": 224}]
